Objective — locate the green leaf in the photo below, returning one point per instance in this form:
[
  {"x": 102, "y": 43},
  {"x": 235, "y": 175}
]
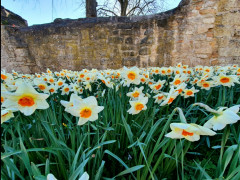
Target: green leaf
[
  {"x": 8, "y": 162},
  {"x": 35, "y": 170},
  {"x": 129, "y": 170},
  {"x": 100, "y": 170},
  {"x": 202, "y": 170}
]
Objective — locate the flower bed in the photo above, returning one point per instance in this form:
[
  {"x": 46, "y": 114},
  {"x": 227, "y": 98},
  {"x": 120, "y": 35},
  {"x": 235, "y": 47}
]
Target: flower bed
[{"x": 133, "y": 123}]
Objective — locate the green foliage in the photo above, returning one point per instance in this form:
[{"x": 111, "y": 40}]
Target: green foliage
[{"x": 120, "y": 145}]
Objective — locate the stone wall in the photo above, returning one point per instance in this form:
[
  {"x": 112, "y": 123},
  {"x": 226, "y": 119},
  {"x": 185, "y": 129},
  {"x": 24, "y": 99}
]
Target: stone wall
[{"x": 197, "y": 32}]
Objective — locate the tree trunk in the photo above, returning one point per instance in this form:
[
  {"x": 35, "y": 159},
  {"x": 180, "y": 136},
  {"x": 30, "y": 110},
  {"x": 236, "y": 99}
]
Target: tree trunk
[
  {"x": 91, "y": 8},
  {"x": 124, "y": 5}
]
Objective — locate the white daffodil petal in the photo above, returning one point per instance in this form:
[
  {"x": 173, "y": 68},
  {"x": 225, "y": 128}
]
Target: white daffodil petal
[
  {"x": 85, "y": 176},
  {"x": 27, "y": 111},
  {"x": 51, "y": 177},
  {"x": 82, "y": 121},
  {"x": 235, "y": 108},
  {"x": 194, "y": 137},
  {"x": 179, "y": 125},
  {"x": 64, "y": 103},
  {"x": 42, "y": 104},
  {"x": 99, "y": 108},
  {"x": 174, "y": 135}
]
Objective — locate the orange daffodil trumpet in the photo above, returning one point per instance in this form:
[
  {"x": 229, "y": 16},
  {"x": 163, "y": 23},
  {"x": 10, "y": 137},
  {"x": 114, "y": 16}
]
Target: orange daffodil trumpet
[
  {"x": 191, "y": 131},
  {"x": 222, "y": 116},
  {"x": 26, "y": 99},
  {"x": 189, "y": 92},
  {"x": 178, "y": 79},
  {"x": 86, "y": 109},
  {"x": 66, "y": 89},
  {"x": 170, "y": 97},
  {"x": 157, "y": 86},
  {"x": 159, "y": 97},
  {"x": 181, "y": 88}
]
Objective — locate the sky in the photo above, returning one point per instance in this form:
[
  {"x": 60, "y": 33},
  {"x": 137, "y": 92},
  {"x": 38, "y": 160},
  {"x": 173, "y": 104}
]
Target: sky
[{"x": 41, "y": 11}]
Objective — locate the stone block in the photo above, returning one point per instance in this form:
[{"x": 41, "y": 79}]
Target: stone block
[
  {"x": 129, "y": 61},
  {"x": 207, "y": 11},
  {"x": 231, "y": 19},
  {"x": 116, "y": 40},
  {"x": 148, "y": 32},
  {"x": 223, "y": 31},
  {"x": 144, "y": 51},
  {"x": 115, "y": 32},
  {"x": 162, "y": 23},
  {"x": 129, "y": 40},
  {"x": 124, "y": 26},
  {"x": 147, "y": 40},
  {"x": 204, "y": 28},
  {"x": 128, "y": 53},
  {"x": 104, "y": 61},
  {"x": 203, "y": 56},
  {"x": 209, "y": 20},
  {"x": 214, "y": 62},
  {"x": 237, "y": 32},
  {"x": 20, "y": 52},
  {"x": 126, "y": 32},
  {"x": 202, "y": 47},
  {"x": 127, "y": 47}
]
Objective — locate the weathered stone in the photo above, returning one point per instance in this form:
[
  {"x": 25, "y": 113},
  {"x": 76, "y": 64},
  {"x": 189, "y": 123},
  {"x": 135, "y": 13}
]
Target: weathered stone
[
  {"x": 148, "y": 32},
  {"x": 207, "y": 11},
  {"x": 116, "y": 40},
  {"x": 144, "y": 51},
  {"x": 129, "y": 40},
  {"x": 204, "y": 56},
  {"x": 204, "y": 28},
  {"x": 12, "y": 19},
  {"x": 124, "y": 26},
  {"x": 209, "y": 20},
  {"x": 128, "y": 53},
  {"x": 201, "y": 47},
  {"x": 127, "y": 47},
  {"x": 126, "y": 32}
]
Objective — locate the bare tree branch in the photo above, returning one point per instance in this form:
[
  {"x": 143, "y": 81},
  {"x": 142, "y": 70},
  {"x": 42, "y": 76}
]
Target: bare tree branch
[
  {"x": 103, "y": 9},
  {"x": 130, "y": 7}
]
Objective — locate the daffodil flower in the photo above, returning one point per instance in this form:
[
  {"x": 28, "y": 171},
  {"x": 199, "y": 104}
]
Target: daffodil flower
[
  {"x": 225, "y": 116},
  {"x": 69, "y": 104},
  {"x": 157, "y": 86},
  {"x": 159, "y": 97},
  {"x": 190, "y": 92},
  {"x": 86, "y": 109},
  {"x": 181, "y": 88},
  {"x": 6, "y": 115},
  {"x": 26, "y": 99},
  {"x": 190, "y": 132},
  {"x": 66, "y": 89},
  {"x": 131, "y": 76},
  {"x": 135, "y": 93},
  {"x": 138, "y": 105},
  {"x": 226, "y": 80},
  {"x": 222, "y": 116},
  {"x": 170, "y": 97}
]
